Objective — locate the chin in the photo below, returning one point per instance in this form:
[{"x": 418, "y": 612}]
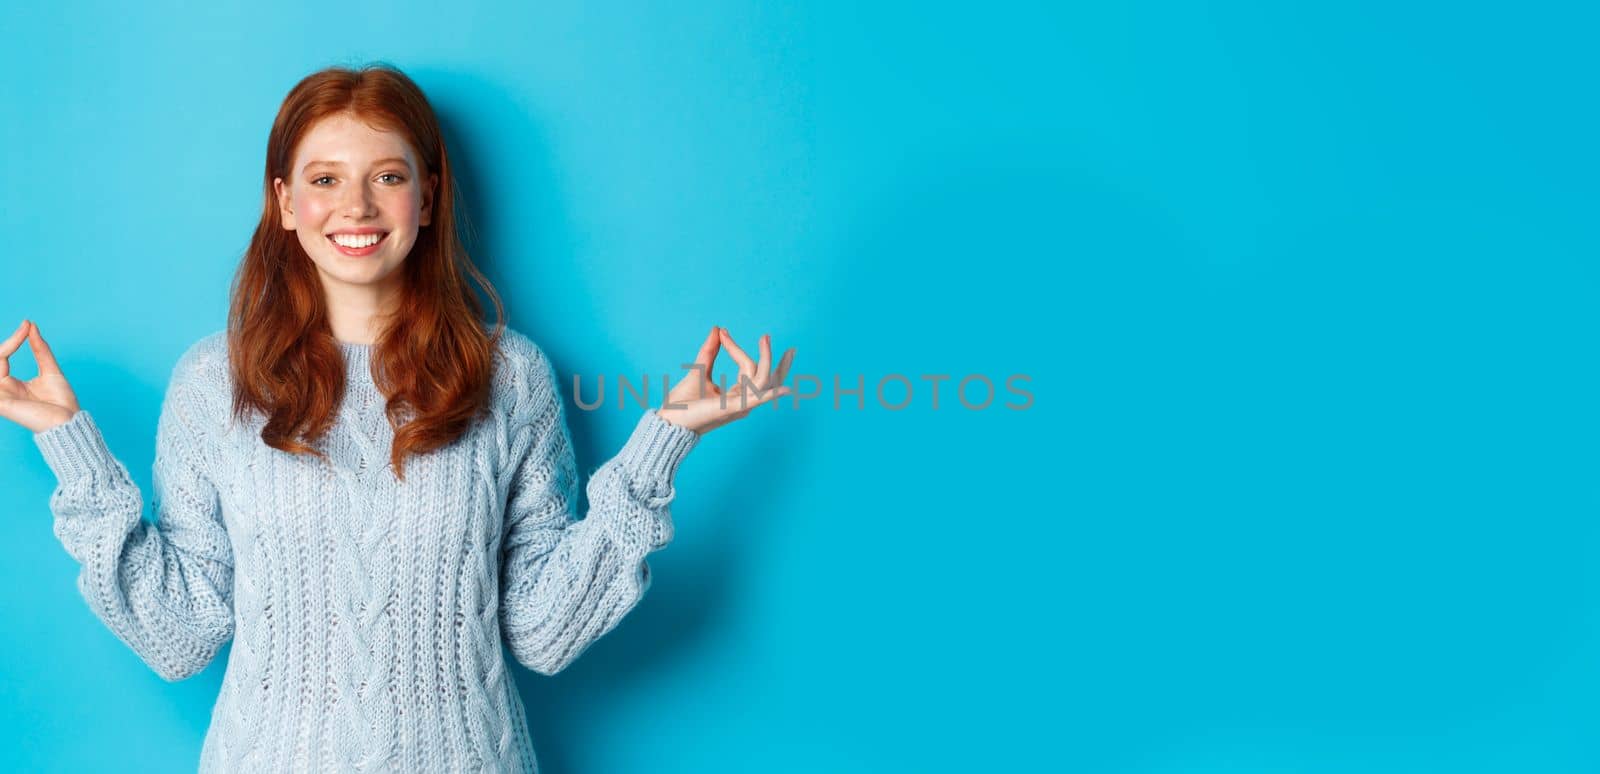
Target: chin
[
  {"x": 379, "y": 278},
  {"x": 344, "y": 275}
]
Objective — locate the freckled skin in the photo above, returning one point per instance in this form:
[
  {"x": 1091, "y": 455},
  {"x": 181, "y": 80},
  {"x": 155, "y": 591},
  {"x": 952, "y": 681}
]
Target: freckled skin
[{"x": 359, "y": 190}]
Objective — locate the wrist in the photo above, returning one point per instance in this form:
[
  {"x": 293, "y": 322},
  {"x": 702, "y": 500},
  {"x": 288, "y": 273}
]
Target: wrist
[
  {"x": 59, "y": 420},
  {"x": 675, "y": 416}
]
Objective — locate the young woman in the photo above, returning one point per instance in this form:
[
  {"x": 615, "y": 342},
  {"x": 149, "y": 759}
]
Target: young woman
[{"x": 356, "y": 482}]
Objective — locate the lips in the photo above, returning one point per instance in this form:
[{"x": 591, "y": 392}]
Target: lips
[{"x": 358, "y": 251}]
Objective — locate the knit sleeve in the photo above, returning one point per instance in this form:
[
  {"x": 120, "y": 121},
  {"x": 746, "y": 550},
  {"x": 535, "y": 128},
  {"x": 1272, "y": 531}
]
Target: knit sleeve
[
  {"x": 566, "y": 583},
  {"x": 164, "y": 589}
]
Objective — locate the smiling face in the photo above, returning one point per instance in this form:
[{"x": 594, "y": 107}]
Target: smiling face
[{"x": 351, "y": 184}]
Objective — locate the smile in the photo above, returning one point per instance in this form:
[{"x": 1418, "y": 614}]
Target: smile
[{"x": 357, "y": 244}]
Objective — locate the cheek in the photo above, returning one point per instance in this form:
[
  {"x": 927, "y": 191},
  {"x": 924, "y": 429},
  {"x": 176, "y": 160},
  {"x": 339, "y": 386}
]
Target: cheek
[
  {"x": 407, "y": 205},
  {"x": 312, "y": 208}
]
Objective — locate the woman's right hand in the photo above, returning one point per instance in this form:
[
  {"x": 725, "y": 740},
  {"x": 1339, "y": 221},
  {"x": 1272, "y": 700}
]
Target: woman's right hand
[{"x": 44, "y": 402}]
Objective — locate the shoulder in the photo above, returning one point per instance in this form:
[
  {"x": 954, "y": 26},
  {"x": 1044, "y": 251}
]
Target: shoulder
[
  {"x": 517, "y": 348},
  {"x": 203, "y": 367},
  {"x": 211, "y": 348},
  {"x": 524, "y": 375},
  {"x": 200, "y": 389}
]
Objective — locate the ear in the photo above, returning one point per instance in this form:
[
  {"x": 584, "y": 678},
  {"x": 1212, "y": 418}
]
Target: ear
[
  {"x": 284, "y": 212},
  {"x": 427, "y": 200}
]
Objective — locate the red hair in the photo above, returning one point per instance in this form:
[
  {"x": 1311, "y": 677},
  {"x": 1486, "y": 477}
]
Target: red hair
[{"x": 433, "y": 361}]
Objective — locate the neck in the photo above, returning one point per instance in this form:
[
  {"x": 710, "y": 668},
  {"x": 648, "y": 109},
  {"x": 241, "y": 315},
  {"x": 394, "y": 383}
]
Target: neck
[{"x": 356, "y": 313}]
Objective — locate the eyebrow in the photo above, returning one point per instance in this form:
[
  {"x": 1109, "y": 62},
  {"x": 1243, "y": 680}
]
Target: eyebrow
[{"x": 378, "y": 163}]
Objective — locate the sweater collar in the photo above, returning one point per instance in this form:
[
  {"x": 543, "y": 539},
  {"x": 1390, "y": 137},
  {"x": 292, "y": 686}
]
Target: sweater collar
[{"x": 357, "y": 359}]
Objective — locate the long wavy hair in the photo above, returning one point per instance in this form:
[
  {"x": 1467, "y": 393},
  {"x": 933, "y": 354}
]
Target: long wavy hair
[{"x": 433, "y": 360}]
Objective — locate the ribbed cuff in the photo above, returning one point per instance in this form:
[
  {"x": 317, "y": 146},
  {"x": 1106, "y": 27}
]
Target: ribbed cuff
[
  {"x": 75, "y": 447},
  {"x": 656, "y": 448}
]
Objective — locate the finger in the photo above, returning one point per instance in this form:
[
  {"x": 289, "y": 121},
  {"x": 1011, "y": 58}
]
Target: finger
[
  {"x": 783, "y": 367},
  {"x": 709, "y": 349},
  {"x": 41, "y": 352},
  {"x": 9, "y": 347},
  {"x": 768, "y": 397},
  {"x": 764, "y": 366},
  {"x": 746, "y": 365}
]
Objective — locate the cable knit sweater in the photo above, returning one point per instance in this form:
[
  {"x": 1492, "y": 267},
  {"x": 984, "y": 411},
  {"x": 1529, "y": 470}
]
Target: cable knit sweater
[{"x": 366, "y": 614}]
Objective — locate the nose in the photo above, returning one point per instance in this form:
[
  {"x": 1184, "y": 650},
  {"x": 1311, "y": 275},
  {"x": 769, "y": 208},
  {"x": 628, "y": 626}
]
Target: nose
[{"x": 359, "y": 202}]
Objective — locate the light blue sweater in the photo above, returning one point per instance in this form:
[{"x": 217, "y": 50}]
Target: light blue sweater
[{"x": 367, "y": 615}]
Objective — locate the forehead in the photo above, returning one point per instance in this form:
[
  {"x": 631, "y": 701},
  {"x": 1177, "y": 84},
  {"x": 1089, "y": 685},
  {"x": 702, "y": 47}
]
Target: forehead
[{"x": 345, "y": 139}]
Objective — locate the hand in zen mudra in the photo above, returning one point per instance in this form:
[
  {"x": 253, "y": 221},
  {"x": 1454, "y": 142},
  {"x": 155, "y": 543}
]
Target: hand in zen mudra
[
  {"x": 45, "y": 401},
  {"x": 697, "y": 403}
]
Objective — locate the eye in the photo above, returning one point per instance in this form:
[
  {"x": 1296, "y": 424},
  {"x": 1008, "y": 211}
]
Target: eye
[
  {"x": 397, "y": 178},
  {"x": 323, "y": 177}
]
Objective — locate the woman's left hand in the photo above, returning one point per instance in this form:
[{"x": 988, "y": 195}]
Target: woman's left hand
[{"x": 696, "y": 403}]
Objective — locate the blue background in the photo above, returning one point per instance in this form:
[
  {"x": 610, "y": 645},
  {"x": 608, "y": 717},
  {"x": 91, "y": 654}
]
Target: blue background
[{"x": 1307, "y": 297}]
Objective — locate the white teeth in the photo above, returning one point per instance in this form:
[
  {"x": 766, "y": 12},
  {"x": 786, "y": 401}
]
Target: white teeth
[{"x": 352, "y": 240}]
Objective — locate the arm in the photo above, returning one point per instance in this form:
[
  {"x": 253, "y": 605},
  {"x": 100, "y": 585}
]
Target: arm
[
  {"x": 565, "y": 583},
  {"x": 166, "y": 590}
]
